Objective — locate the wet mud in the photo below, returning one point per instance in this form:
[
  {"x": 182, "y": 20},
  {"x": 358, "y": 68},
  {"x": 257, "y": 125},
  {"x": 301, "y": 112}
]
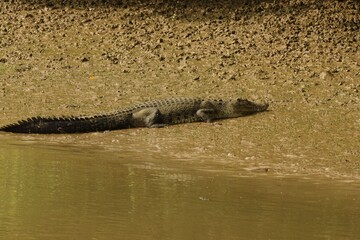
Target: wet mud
[{"x": 89, "y": 57}]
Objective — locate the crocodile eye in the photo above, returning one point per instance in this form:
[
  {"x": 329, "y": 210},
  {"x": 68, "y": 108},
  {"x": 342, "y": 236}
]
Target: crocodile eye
[{"x": 242, "y": 100}]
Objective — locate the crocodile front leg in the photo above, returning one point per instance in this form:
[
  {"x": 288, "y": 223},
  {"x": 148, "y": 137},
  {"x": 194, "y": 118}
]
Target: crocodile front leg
[
  {"x": 207, "y": 114},
  {"x": 148, "y": 117},
  {"x": 207, "y": 111}
]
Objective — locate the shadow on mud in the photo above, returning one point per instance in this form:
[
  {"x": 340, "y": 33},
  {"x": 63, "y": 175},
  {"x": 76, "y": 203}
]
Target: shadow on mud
[
  {"x": 134, "y": 3},
  {"x": 179, "y": 7}
]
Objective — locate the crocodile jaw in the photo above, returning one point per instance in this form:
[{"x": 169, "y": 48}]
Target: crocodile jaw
[{"x": 242, "y": 107}]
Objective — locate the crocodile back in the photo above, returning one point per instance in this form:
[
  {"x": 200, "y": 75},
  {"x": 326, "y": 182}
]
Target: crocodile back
[{"x": 173, "y": 110}]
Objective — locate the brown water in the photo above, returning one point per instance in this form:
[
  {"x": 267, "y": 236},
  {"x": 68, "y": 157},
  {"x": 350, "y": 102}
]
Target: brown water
[{"x": 64, "y": 191}]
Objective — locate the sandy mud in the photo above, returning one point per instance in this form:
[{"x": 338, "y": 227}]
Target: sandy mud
[{"x": 89, "y": 57}]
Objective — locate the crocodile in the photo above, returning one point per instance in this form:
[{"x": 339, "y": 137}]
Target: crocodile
[{"x": 153, "y": 114}]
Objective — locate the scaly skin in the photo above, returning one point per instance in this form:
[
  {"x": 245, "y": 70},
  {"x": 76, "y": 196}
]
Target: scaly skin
[{"x": 157, "y": 113}]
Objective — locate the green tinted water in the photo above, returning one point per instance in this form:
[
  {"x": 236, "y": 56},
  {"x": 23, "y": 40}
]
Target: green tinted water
[{"x": 63, "y": 191}]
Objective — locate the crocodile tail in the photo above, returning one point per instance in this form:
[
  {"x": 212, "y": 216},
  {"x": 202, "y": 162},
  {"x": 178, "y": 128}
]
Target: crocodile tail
[{"x": 67, "y": 124}]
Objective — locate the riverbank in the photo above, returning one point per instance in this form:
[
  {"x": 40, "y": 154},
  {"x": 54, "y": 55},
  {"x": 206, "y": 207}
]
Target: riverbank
[{"x": 299, "y": 56}]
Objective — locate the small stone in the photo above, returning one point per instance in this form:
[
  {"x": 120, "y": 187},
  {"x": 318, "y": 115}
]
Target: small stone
[
  {"x": 326, "y": 75},
  {"x": 85, "y": 59}
]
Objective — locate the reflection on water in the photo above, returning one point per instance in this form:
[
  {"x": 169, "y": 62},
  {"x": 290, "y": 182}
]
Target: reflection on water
[{"x": 63, "y": 192}]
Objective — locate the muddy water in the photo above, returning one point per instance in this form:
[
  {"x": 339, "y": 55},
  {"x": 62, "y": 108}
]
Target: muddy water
[{"x": 54, "y": 190}]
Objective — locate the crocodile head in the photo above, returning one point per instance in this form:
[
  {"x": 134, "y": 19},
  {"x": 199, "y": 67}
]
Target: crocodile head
[{"x": 241, "y": 107}]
